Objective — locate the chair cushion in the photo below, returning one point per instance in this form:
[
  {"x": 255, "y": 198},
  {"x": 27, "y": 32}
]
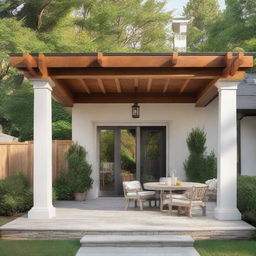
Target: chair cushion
[
  {"x": 142, "y": 194},
  {"x": 132, "y": 185},
  {"x": 176, "y": 201}
]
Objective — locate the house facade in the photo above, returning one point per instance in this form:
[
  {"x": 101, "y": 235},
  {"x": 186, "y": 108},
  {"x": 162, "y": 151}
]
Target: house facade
[{"x": 175, "y": 93}]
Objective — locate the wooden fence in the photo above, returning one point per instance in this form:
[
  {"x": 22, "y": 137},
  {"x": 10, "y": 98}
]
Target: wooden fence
[{"x": 18, "y": 156}]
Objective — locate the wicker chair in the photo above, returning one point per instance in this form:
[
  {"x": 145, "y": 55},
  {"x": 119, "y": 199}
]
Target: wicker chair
[
  {"x": 133, "y": 191},
  {"x": 192, "y": 197}
]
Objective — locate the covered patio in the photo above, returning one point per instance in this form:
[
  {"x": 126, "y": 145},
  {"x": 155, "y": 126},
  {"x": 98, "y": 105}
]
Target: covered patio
[
  {"x": 174, "y": 90},
  {"x": 106, "y": 215}
]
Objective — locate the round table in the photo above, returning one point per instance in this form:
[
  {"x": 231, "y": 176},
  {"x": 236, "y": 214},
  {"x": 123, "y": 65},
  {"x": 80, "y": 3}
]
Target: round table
[{"x": 165, "y": 187}]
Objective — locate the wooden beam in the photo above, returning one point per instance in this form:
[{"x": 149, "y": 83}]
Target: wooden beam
[
  {"x": 101, "y": 85},
  {"x": 85, "y": 86},
  {"x": 228, "y": 62},
  {"x": 174, "y": 58},
  {"x": 207, "y": 94},
  {"x": 136, "y": 82},
  {"x": 42, "y": 65},
  {"x": 61, "y": 94},
  {"x": 132, "y": 97},
  {"x": 237, "y": 63},
  {"x": 149, "y": 85},
  {"x": 29, "y": 64},
  {"x": 131, "y": 73},
  {"x": 132, "y": 61},
  {"x": 166, "y": 85},
  {"x": 100, "y": 58},
  {"x": 118, "y": 85},
  {"x": 184, "y": 86}
]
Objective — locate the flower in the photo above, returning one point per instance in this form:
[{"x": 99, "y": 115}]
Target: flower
[{"x": 212, "y": 184}]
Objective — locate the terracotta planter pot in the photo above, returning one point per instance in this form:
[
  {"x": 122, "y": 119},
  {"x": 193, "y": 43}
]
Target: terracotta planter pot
[
  {"x": 80, "y": 196},
  {"x": 127, "y": 176}
]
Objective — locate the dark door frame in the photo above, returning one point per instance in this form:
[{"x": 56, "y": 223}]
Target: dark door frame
[{"x": 117, "y": 156}]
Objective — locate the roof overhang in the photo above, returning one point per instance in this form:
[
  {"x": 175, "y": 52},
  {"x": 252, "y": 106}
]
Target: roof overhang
[{"x": 134, "y": 77}]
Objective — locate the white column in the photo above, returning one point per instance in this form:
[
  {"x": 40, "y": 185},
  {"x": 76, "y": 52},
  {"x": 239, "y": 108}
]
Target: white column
[
  {"x": 42, "y": 176},
  {"x": 227, "y": 152}
]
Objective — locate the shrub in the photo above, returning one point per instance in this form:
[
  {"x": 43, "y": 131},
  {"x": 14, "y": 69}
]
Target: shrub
[
  {"x": 62, "y": 187},
  {"x": 199, "y": 166},
  {"x": 79, "y": 170},
  {"x": 246, "y": 197},
  {"x": 8, "y": 205},
  {"x": 76, "y": 179},
  {"x": 15, "y": 195}
]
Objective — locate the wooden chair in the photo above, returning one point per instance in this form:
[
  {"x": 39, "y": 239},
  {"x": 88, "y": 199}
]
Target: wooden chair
[
  {"x": 133, "y": 191},
  {"x": 192, "y": 197}
]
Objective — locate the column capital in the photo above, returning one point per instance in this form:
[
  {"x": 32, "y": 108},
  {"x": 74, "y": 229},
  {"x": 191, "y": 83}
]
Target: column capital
[
  {"x": 225, "y": 84},
  {"x": 45, "y": 83}
]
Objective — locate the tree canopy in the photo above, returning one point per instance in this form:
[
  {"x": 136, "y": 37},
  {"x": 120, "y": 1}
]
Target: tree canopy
[{"x": 70, "y": 26}]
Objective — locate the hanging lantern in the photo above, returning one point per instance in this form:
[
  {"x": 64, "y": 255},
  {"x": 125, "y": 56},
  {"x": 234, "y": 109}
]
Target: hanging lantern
[{"x": 135, "y": 110}]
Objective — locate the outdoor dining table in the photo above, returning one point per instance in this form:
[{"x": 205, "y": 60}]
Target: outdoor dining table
[{"x": 183, "y": 186}]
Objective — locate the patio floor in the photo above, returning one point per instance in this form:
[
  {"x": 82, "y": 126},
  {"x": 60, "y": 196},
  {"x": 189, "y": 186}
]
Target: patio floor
[{"x": 106, "y": 215}]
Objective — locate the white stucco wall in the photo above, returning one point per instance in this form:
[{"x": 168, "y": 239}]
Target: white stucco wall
[
  {"x": 248, "y": 146},
  {"x": 178, "y": 118}
]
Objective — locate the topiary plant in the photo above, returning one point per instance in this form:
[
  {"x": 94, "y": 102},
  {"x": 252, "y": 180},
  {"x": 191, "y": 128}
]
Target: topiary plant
[
  {"x": 79, "y": 170},
  {"x": 199, "y": 166}
]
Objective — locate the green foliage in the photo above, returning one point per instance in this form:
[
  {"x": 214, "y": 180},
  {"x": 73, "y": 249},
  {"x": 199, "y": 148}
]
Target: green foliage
[
  {"x": 79, "y": 170},
  {"x": 235, "y": 28},
  {"x": 246, "y": 197},
  {"x": 15, "y": 195},
  {"x": 20, "y": 123},
  {"x": 62, "y": 187},
  {"x": 196, "y": 141},
  {"x": 201, "y": 13},
  {"x": 77, "y": 177},
  {"x": 199, "y": 166},
  {"x": 61, "y": 129}
]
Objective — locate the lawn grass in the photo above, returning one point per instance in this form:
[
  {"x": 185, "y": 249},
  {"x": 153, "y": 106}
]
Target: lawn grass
[
  {"x": 39, "y": 247},
  {"x": 226, "y": 248},
  {"x": 4, "y": 219}
]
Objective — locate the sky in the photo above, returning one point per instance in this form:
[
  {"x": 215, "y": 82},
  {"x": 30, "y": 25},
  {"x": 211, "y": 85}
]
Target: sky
[{"x": 177, "y": 5}]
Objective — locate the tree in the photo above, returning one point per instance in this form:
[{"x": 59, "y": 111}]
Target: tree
[
  {"x": 236, "y": 28},
  {"x": 199, "y": 166},
  {"x": 126, "y": 25},
  {"x": 20, "y": 123},
  {"x": 201, "y": 13}
]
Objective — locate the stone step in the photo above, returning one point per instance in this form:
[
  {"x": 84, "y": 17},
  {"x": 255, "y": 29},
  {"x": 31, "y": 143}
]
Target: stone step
[
  {"x": 137, "y": 251},
  {"x": 137, "y": 241}
]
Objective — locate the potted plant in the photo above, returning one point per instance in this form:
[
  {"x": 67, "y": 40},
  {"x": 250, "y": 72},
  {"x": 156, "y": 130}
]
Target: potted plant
[{"x": 79, "y": 171}]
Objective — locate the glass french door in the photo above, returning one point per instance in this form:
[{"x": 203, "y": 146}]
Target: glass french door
[{"x": 130, "y": 153}]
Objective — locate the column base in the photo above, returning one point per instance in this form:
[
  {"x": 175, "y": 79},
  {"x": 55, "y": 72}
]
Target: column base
[
  {"x": 227, "y": 214},
  {"x": 42, "y": 213}
]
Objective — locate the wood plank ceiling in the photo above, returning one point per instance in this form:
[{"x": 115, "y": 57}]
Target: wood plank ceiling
[{"x": 129, "y": 78}]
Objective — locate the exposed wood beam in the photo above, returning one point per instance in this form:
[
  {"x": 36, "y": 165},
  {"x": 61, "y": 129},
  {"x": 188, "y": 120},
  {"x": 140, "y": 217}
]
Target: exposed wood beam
[
  {"x": 174, "y": 58},
  {"x": 207, "y": 94},
  {"x": 101, "y": 85},
  {"x": 118, "y": 85},
  {"x": 112, "y": 73},
  {"x": 61, "y": 94},
  {"x": 42, "y": 65},
  {"x": 30, "y": 63},
  {"x": 228, "y": 62},
  {"x": 184, "y": 86},
  {"x": 132, "y": 97},
  {"x": 132, "y": 61},
  {"x": 85, "y": 86},
  {"x": 237, "y": 63},
  {"x": 149, "y": 85},
  {"x": 166, "y": 85},
  {"x": 100, "y": 58},
  {"x": 136, "y": 82}
]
